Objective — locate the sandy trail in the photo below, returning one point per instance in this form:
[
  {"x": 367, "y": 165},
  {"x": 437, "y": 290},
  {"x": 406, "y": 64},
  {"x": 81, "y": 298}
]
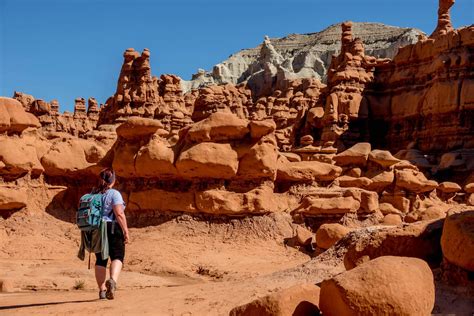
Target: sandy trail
[{"x": 185, "y": 267}]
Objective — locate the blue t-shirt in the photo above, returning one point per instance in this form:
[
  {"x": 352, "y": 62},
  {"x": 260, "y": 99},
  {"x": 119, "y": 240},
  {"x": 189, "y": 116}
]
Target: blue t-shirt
[{"x": 111, "y": 198}]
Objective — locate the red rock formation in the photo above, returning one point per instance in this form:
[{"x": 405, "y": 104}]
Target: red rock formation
[
  {"x": 425, "y": 95},
  {"x": 444, "y": 19},
  {"x": 349, "y": 75}
]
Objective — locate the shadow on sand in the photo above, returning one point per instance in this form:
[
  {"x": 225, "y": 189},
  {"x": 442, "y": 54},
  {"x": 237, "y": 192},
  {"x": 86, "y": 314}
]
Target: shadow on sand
[{"x": 45, "y": 304}]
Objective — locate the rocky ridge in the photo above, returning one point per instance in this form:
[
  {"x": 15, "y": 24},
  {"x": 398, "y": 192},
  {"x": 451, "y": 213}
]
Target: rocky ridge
[{"x": 302, "y": 55}]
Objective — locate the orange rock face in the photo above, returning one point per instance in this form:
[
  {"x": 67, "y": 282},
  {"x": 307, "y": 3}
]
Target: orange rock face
[{"x": 440, "y": 69}]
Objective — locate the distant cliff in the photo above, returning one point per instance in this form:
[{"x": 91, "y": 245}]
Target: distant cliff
[{"x": 301, "y": 56}]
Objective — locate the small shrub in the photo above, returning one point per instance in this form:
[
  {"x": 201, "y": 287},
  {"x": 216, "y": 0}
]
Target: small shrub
[{"x": 79, "y": 285}]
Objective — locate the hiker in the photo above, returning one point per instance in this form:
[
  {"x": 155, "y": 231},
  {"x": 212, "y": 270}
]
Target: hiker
[{"x": 117, "y": 234}]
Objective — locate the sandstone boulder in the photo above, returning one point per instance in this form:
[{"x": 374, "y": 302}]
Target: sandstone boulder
[
  {"x": 329, "y": 234},
  {"x": 18, "y": 158},
  {"x": 418, "y": 240},
  {"x": 397, "y": 199},
  {"x": 305, "y": 171},
  {"x": 469, "y": 188},
  {"x": 356, "y": 155},
  {"x": 298, "y": 300},
  {"x": 457, "y": 240},
  {"x": 353, "y": 172},
  {"x": 383, "y": 286},
  {"x": 414, "y": 181},
  {"x": 381, "y": 181},
  {"x": 138, "y": 127},
  {"x": 260, "y": 200},
  {"x": 208, "y": 160},
  {"x": 387, "y": 209},
  {"x": 328, "y": 206},
  {"x": 392, "y": 220},
  {"x": 291, "y": 157},
  {"x": 155, "y": 159},
  {"x": 66, "y": 158},
  {"x": 383, "y": 158},
  {"x": 348, "y": 181},
  {"x": 449, "y": 187},
  {"x": 258, "y": 129},
  {"x": 219, "y": 126},
  {"x": 259, "y": 161},
  {"x": 369, "y": 200},
  {"x": 404, "y": 164},
  {"x": 303, "y": 236},
  {"x": 14, "y": 118},
  {"x": 470, "y": 199},
  {"x": 12, "y": 198}
]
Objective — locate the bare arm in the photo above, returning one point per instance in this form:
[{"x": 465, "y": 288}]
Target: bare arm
[{"x": 122, "y": 220}]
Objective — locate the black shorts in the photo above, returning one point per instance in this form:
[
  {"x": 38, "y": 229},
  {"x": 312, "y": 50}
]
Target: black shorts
[{"x": 116, "y": 245}]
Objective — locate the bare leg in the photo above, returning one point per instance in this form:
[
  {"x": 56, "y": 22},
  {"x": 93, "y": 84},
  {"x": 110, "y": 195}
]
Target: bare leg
[
  {"x": 115, "y": 269},
  {"x": 100, "y": 275}
]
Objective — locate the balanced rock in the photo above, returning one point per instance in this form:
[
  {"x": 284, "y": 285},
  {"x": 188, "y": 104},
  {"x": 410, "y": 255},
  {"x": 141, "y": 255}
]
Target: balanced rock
[
  {"x": 329, "y": 234},
  {"x": 219, "y": 126},
  {"x": 383, "y": 286},
  {"x": 449, "y": 187},
  {"x": 138, "y": 127},
  {"x": 298, "y": 300},
  {"x": 457, "y": 240},
  {"x": 383, "y": 158},
  {"x": 356, "y": 155},
  {"x": 208, "y": 160}
]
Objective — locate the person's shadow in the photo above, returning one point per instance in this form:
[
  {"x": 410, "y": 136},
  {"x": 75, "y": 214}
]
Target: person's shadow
[{"x": 46, "y": 304}]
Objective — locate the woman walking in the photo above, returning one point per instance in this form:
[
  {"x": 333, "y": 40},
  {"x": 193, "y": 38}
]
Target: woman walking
[{"x": 117, "y": 235}]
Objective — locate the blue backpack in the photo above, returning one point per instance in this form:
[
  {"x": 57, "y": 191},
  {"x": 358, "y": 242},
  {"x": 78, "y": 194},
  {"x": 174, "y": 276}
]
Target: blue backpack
[{"x": 90, "y": 211}]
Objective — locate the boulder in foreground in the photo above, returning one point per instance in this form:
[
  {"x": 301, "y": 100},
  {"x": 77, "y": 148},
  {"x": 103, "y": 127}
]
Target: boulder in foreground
[
  {"x": 457, "y": 240},
  {"x": 383, "y": 286},
  {"x": 299, "y": 300},
  {"x": 329, "y": 234}
]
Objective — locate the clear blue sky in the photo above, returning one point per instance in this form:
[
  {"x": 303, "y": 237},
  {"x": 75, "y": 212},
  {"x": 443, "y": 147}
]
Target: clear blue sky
[{"x": 64, "y": 49}]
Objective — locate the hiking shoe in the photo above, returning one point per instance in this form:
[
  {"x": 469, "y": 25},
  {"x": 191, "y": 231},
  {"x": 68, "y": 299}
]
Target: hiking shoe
[
  {"x": 110, "y": 285},
  {"x": 102, "y": 295}
]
